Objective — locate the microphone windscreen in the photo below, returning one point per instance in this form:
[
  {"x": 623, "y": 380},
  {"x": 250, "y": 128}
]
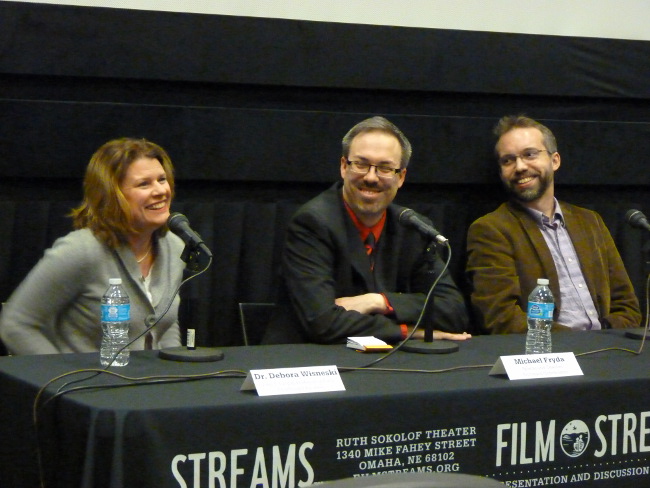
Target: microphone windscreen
[
  {"x": 634, "y": 217},
  {"x": 406, "y": 215},
  {"x": 175, "y": 221}
]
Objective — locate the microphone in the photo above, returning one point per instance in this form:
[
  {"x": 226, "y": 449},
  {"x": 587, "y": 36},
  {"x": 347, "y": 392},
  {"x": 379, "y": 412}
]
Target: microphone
[
  {"x": 636, "y": 219},
  {"x": 411, "y": 218},
  {"x": 180, "y": 226},
  {"x": 194, "y": 245}
]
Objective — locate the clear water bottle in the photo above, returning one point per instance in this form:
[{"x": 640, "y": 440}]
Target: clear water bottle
[
  {"x": 116, "y": 317},
  {"x": 540, "y": 319}
]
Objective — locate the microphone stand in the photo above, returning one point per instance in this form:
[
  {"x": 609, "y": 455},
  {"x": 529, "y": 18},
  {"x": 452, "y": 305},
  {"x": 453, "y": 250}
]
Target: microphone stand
[
  {"x": 640, "y": 332},
  {"x": 193, "y": 256},
  {"x": 429, "y": 346}
]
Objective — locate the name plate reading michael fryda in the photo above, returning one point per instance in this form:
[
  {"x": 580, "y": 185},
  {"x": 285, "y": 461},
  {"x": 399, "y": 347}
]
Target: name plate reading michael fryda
[{"x": 529, "y": 366}]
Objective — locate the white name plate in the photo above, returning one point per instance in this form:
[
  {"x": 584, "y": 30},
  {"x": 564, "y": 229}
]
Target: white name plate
[
  {"x": 289, "y": 381},
  {"x": 529, "y": 366}
]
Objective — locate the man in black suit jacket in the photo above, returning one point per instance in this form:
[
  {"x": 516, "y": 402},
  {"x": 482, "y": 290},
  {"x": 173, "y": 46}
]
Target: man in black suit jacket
[{"x": 349, "y": 268}]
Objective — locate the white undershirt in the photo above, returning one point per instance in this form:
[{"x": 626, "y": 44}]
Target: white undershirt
[{"x": 146, "y": 282}]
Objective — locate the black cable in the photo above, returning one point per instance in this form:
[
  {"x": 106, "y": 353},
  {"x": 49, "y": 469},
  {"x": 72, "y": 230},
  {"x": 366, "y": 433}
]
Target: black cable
[
  {"x": 133, "y": 381},
  {"x": 645, "y": 331},
  {"x": 424, "y": 308},
  {"x": 147, "y": 329}
]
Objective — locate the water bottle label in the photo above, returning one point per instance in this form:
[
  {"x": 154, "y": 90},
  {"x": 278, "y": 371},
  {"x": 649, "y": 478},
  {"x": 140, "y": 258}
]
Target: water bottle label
[
  {"x": 116, "y": 313},
  {"x": 540, "y": 310}
]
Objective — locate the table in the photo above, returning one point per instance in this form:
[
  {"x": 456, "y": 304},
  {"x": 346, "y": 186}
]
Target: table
[{"x": 573, "y": 431}]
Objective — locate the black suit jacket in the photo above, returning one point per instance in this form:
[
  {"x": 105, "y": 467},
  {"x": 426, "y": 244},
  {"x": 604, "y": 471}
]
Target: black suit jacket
[{"x": 324, "y": 259}]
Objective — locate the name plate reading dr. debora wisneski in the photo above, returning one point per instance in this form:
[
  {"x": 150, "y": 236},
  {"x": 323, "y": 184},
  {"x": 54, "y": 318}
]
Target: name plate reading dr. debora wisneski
[
  {"x": 529, "y": 366},
  {"x": 289, "y": 381}
]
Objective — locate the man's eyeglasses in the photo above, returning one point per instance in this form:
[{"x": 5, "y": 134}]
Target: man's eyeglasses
[
  {"x": 528, "y": 155},
  {"x": 363, "y": 168}
]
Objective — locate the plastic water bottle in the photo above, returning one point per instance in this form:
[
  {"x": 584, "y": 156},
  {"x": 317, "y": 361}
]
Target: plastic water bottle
[
  {"x": 116, "y": 318},
  {"x": 540, "y": 319}
]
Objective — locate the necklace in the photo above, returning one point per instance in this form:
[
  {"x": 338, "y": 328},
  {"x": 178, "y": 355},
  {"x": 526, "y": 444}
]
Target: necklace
[{"x": 145, "y": 255}]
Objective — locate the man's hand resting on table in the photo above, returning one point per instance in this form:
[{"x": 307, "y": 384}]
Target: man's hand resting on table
[{"x": 440, "y": 335}]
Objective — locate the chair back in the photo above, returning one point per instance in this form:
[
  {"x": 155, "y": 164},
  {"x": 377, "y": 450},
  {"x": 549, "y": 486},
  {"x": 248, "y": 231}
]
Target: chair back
[{"x": 254, "y": 317}]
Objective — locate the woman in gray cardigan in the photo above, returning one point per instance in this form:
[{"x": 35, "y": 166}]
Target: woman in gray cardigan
[{"x": 120, "y": 233}]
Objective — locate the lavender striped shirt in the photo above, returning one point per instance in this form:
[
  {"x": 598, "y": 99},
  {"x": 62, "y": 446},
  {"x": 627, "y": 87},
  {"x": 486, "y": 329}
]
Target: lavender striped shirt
[{"x": 577, "y": 310}]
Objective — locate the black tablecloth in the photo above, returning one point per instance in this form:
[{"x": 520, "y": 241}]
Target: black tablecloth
[{"x": 571, "y": 431}]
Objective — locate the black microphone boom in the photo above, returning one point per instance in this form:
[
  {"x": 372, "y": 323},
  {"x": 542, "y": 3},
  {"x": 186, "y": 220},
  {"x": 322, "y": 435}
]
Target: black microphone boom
[
  {"x": 180, "y": 226},
  {"x": 636, "y": 219},
  {"x": 194, "y": 249},
  {"x": 413, "y": 219}
]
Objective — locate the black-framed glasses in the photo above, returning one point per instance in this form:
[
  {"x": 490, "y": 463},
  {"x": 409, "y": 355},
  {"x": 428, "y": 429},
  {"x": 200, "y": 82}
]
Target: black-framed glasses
[
  {"x": 528, "y": 155},
  {"x": 362, "y": 168}
]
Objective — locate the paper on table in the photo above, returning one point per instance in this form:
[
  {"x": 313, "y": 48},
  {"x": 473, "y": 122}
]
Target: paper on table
[{"x": 368, "y": 343}]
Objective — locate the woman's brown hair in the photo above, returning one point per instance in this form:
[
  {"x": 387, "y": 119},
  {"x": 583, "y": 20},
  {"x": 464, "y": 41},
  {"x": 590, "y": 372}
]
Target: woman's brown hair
[{"x": 104, "y": 209}]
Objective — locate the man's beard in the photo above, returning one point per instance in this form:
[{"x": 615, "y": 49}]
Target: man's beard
[{"x": 529, "y": 194}]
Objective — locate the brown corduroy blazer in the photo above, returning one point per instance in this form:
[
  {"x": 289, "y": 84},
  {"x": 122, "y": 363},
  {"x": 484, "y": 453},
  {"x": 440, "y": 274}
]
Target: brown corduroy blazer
[{"x": 507, "y": 253}]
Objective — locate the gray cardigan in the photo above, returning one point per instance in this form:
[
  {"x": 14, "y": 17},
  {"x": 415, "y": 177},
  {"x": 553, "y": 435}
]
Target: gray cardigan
[{"x": 56, "y": 309}]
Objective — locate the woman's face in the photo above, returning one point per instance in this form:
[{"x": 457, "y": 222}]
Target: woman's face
[{"x": 147, "y": 190}]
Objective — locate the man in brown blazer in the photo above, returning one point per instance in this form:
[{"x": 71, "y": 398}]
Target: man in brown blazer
[{"x": 535, "y": 236}]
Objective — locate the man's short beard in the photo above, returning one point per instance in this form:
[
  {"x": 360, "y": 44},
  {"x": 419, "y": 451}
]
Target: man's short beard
[{"x": 530, "y": 194}]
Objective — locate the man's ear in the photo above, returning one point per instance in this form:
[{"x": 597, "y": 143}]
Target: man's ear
[
  {"x": 555, "y": 158},
  {"x": 402, "y": 177},
  {"x": 344, "y": 166}
]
